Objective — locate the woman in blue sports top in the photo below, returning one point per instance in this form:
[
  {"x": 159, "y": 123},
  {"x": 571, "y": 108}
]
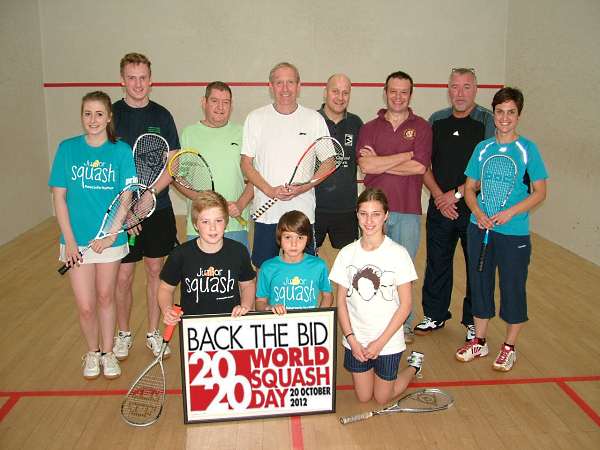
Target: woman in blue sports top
[
  {"x": 88, "y": 171},
  {"x": 509, "y": 245}
]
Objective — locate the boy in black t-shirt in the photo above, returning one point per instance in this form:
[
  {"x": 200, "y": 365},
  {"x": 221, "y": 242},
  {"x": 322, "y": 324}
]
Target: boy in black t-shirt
[{"x": 215, "y": 273}]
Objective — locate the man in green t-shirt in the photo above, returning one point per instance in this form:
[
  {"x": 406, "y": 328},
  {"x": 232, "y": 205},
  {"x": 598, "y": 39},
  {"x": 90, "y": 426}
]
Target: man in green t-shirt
[{"x": 220, "y": 143}]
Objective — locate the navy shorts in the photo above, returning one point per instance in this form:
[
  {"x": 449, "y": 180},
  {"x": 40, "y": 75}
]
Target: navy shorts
[
  {"x": 386, "y": 366},
  {"x": 342, "y": 228},
  {"x": 264, "y": 245},
  {"x": 510, "y": 254},
  {"x": 157, "y": 239}
]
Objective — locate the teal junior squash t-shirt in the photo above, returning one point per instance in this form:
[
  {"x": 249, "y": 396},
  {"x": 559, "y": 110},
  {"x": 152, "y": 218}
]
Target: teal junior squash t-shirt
[
  {"x": 92, "y": 176},
  {"x": 294, "y": 285}
]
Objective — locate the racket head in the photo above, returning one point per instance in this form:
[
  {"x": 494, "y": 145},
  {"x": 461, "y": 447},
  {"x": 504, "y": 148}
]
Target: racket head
[
  {"x": 190, "y": 170},
  {"x": 127, "y": 210},
  {"x": 424, "y": 400},
  {"x": 145, "y": 399},
  {"x": 150, "y": 154},
  {"x": 498, "y": 178},
  {"x": 319, "y": 161}
]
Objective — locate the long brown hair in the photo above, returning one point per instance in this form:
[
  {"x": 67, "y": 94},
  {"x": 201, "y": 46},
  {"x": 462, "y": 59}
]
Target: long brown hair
[
  {"x": 373, "y": 195},
  {"x": 103, "y": 98}
]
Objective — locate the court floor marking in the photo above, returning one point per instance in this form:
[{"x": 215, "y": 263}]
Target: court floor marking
[{"x": 297, "y": 435}]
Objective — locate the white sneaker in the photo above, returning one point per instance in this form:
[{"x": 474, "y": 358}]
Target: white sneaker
[
  {"x": 505, "y": 359},
  {"x": 471, "y": 350},
  {"x": 123, "y": 341},
  {"x": 110, "y": 366},
  {"x": 91, "y": 365},
  {"x": 415, "y": 359},
  {"x": 154, "y": 342},
  {"x": 470, "y": 333}
]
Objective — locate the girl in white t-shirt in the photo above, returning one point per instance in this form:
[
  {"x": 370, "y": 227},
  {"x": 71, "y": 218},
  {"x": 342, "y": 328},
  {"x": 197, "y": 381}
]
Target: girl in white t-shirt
[{"x": 374, "y": 276}]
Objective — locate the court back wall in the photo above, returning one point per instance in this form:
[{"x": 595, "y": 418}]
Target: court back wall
[
  {"x": 82, "y": 41},
  {"x": 240, "y": 42}
]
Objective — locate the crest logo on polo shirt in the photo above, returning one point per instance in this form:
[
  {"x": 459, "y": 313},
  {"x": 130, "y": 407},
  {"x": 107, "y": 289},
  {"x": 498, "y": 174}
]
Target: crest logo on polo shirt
[
  {"x": 410, "y": 134},
  {"x": 348, "y": 140}
]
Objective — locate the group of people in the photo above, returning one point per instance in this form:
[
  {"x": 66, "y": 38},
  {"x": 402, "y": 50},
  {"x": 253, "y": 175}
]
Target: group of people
[{"x": 397, "y": 152}]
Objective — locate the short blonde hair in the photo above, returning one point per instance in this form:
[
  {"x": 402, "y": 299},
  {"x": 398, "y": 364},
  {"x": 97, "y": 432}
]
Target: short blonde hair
[
  {"x": 135, "y": 58},
  {"x": 209, "y": 199}
]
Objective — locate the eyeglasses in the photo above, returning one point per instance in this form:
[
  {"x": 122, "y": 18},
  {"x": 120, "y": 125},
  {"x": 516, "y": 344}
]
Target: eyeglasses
[{"x": 463, "y": 70}]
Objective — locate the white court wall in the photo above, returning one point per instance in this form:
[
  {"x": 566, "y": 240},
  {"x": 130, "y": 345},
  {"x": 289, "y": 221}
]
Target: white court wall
[
  {"x": 556, "y": 61},
  {"x": 24, "y": 145},
  {"x": 241, "y": 41},
  {"x": 506, "y": 41}
]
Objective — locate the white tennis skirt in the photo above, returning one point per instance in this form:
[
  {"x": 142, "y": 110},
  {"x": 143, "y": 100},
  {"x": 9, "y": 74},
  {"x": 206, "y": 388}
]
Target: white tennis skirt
[{"x": 110, "y": 254}]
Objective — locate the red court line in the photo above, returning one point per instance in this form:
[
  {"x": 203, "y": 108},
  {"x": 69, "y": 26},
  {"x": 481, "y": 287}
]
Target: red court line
[
  {"x": 8, "y": 406},
  {"x": 245, "y": 84},
  {"x": 580, "y": 402},
  {"x": 297, "y": 435},
  {"x": 457, "y": 383}
]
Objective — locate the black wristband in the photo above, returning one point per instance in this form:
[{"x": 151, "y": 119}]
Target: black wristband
[{"x": 348, "y": 335}]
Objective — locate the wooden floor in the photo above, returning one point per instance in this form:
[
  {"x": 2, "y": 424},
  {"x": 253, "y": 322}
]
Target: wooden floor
[{"x": 550, "y": 400}]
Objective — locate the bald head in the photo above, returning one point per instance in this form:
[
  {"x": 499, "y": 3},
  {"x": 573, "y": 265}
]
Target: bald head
[{"x": 337, "y": 96}]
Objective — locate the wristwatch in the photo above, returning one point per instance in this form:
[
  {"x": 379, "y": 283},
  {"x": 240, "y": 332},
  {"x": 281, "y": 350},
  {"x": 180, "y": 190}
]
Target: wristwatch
[{"x": 458, "y": 195}]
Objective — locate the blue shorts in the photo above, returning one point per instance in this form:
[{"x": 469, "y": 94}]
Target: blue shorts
[
  {"x": 265, "y": 247},
  {"x": 386, "y": 366},
  {"x": 510, "y": 254}
]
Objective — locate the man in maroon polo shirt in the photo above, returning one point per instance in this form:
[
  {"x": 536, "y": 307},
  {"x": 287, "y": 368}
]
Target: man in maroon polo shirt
[{"x": 394, "y": 151}]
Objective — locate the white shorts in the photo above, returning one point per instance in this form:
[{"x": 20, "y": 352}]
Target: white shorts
[{"x": 110, "y": 254}]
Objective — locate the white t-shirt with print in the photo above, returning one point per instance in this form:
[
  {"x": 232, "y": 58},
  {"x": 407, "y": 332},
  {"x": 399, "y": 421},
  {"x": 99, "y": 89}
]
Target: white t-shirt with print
[
  {"x": 372, "y": 279},
  {"x": 276, "y": 141}
]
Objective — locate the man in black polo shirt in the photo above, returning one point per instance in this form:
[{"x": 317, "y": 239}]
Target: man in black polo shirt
[
  {"x": 335, "y": 212},
  {"x": 456, "y": 132},
  {"x": 133, "y": 116}
]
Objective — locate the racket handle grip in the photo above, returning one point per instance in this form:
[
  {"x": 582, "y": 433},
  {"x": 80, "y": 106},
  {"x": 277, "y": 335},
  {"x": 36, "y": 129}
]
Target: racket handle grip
[
  {"x": 170, "y": 328},
  {"x": 64, "y": 269},
  {"x": 260, "y": 211},
  {"x": 482, "y": 253},
  {"x": 243, "y": 222},
  {"x": 355, "y": 418},
  {"x": 131, "y": 240}
]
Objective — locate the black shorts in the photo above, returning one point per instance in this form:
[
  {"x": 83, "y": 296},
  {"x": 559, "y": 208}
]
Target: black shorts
[
  {"x": 157, "y": 239},
  {"x": 341, "y": 226}
]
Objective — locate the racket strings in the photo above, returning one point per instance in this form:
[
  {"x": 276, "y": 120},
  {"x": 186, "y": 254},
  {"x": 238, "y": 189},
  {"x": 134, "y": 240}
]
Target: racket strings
[
  {"x": 150, "y": 157},
  {"x": 144, "y": 400},
  {"x": 325, "y": 156},
  {"x": 190, "y": 171},
  {"x": 130, "y": 208},
  {"x": 427, "y": 400},
  {"x": 498, "y": 180}
]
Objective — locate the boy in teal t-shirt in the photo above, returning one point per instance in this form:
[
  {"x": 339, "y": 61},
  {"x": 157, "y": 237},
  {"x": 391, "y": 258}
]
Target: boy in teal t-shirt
[{"x": 294, "y": 280}]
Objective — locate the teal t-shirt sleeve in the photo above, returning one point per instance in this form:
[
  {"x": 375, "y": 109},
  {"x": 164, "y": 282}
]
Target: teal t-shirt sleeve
[
  {"x": 535, "y": 164},
  {"x": 58, "y": 175},
  {"x": 324, "y": 284}
]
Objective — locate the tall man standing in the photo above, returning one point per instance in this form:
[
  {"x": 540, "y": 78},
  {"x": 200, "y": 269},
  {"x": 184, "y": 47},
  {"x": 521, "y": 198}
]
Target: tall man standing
[
  {"x": 394, "y": 151},
  {"x": 336, "y": 196},
  {"x": 220, "y": 143},
  {"x": 275, "y": 136},
  {"x": 456, "y": 132},
  {"x": 133, "y": 116}
]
